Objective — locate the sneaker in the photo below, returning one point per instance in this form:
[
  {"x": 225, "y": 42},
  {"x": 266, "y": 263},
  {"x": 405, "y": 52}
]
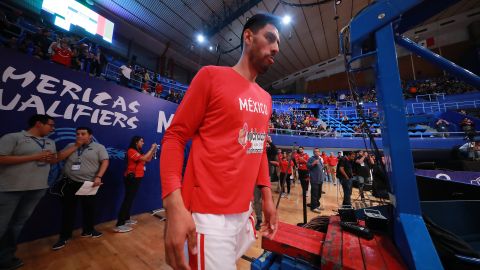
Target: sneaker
[
  {"x": 131, "y": 222},
  {"x": 122, "y": 229},
  {"x": 59, "y": 244},
  {"x": 316, "y": 210},
  {"x": 93, "y": 234},
  {"x": 85, "y": 234},
  {"x": 96, "y": 234},
  {"x": 284, "y": 195}
]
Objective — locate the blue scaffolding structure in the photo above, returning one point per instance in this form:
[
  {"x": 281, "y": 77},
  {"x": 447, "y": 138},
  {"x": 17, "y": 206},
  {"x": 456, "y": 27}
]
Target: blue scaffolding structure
[{"x": 382, "y": 23}]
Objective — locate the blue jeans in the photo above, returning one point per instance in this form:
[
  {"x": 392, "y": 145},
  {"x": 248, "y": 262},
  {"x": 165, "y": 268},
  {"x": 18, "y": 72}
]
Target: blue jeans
[
  {"x": 15, "y": 209},
  {"x": 347, "y": 191}
]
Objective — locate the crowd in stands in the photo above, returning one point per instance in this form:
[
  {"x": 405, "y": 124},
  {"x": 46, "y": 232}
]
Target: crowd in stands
[
  {"x": 446, "y": 85},
  {"x": 67, "y": 49}
]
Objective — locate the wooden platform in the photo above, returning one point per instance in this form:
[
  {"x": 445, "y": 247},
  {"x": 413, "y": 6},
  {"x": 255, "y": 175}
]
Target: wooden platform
[{"x": 143, "y": 248}]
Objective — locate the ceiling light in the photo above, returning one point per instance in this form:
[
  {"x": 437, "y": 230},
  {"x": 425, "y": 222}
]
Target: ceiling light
[
  {"x": 286, "y": 19},
  {"x": 210, "y": 48},
  {"x": 338, "y": 2},
  {"x": 200, "y": 38}
]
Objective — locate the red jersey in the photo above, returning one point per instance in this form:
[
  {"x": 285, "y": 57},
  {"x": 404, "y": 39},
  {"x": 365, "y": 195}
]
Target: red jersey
[
  {"x": 62, "y": 56},
  {"x": 302, "y": 161},
  {"x": 332, "y": 161},
  {"x": 226, "y": 116},
  {"x": 284, "y": 168},
  {"x": 134, "y": 164}
]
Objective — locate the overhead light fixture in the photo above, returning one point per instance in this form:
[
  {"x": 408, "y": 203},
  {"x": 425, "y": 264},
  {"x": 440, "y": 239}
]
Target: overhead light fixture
[
  {"x": 338, "y": 2},
  {"x": 90, "y": 2},
  {"x": 286, "y": 19},
  {"x": 200, "y": 38},
  {"x": 210, "y": 48}
]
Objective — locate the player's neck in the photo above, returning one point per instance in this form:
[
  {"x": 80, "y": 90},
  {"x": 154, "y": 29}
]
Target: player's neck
[{"x": 246, "y": 69}]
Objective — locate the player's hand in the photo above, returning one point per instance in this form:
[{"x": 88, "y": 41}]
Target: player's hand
[
  {"x": 179, "y": 228},
  {"x": 270, "y": 224}
]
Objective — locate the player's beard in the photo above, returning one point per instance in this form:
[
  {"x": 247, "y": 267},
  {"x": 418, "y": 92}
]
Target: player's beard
[{"x": 259, "y": 60}]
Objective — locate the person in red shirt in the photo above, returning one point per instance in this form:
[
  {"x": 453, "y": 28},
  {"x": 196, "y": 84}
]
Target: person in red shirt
[
  {"x": 302, "y": 159},
  {"x": 332, "y": 165},
  {"x": 286, "y": 170},
  {"x": 158, "y": 89},
  {"x": 133, "y": 177},
  {"x": 225, "y": 113},
  {"x": 62, "y": 54},
  {"x": 325, "y": 167}
]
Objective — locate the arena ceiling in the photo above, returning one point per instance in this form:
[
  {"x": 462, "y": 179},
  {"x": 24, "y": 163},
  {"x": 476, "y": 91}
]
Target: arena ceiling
[{"x": 312, "y": 37}]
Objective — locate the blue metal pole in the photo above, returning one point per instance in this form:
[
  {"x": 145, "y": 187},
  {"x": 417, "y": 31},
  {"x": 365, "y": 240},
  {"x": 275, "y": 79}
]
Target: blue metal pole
[
  {"x": 436, "y": 59},
  {"x": 410, "y": 233}
]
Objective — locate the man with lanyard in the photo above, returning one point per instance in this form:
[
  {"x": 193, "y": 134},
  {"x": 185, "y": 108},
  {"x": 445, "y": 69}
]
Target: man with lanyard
[
  {"x": 226, "y": 114},
  {"x": 88, "y": 163},
  {"x": 315, "y": 166},
  {"x": 25, "y": 159},
  {"x": 345, "y": 175}
]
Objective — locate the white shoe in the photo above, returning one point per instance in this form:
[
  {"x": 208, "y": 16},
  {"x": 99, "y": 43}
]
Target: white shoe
[
  {"x": 122, "y": 229},
  {"x": 131, "y": 222}
]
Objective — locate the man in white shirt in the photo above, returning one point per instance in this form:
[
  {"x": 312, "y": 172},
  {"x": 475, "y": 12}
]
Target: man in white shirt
[{"x": 126, "y": 71}]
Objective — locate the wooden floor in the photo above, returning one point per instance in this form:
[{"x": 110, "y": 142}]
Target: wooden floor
[{"x": 143, "y": 247}]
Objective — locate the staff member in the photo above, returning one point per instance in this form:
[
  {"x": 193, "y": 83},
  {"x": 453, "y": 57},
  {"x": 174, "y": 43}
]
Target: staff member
[
  {"x": 88, "y": 163},
  {"x": 133, "y": 177},
  {"x": 25, "y": 159}
]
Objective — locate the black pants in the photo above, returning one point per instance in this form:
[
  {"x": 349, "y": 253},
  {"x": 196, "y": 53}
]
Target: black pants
[
  {"x": 69, "y": 202},
  {"x": 303, "y": 176},
  {"x": 131, "y": 187},
  {"x": 285, "y": 178},
  {"x": 347, "y": 191},
  {"x": 124, "y": 80},
  {"x": 316, "y": 193}
]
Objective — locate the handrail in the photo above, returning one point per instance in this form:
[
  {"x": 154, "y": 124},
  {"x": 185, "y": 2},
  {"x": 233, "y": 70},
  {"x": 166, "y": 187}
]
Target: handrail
[
  {"x": 112, "y": 71},
  {"x": 339, "y": 134}
]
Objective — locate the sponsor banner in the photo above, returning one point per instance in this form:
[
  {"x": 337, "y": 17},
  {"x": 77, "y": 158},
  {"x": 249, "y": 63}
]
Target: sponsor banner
[{"x": 456, "y": 176}]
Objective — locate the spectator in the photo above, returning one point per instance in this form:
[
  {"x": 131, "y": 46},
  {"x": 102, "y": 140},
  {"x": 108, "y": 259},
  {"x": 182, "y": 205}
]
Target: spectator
[
  {"x": 133, "y": 177},
  {"x": 98, "y": 62},
  {"x": 442, "y": 126},
  {"x": 332, "y": 167},
  {"x": 126, "y": 71},
  {"x": 345, "y": 175},
  {"x": 88, "y": 163},
  {"x": 362, "y": 171},
  {"x": 471, "y": 150},
  {"x": 468, "y": 126},
  {"x": 315, "y": 166},
  {"x": 286, "y": 171},
  {"x": 158, "y": 88},
  {"x": 61, "y": 53}
]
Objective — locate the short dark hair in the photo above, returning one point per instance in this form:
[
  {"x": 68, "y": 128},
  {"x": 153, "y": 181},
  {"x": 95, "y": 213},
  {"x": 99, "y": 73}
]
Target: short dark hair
[
  {"x": 42, "y": 118},
  {"x": 257, "y": 22},
  {"x": 89, "y": 130}
]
